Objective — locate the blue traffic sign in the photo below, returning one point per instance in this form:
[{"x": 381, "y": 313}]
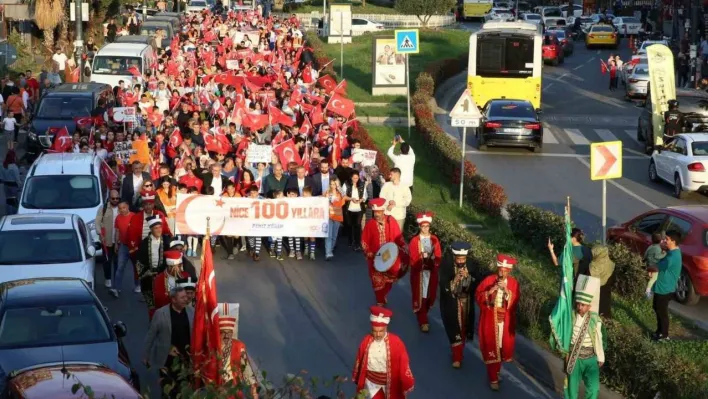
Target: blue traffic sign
[
  {"x": 407, "y": 41},
  {"x": 8, "y": 53}
]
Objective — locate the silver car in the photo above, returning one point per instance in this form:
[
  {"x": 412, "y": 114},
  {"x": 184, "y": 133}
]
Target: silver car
[{"x": 637, "y": 82}]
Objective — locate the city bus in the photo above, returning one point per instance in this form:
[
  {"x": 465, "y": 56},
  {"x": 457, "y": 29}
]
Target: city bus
[
  {"x": 476, "y": 8},
  {"x": 505, "y": 62}
]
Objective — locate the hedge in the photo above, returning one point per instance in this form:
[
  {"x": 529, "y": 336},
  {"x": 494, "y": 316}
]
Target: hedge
[{"x": 634, "y": 366}]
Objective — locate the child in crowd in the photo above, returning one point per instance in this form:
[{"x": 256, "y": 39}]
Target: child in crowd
[
  {"x": 652, "y": 256},
  {"x": 254, "y": 243},
  {"x": 9, "y": 125},
  {"x": 294, "y": 243},
  {"x": 276, "y": 248},
  {"x": 192, "y": 240},
  {"x": 309, "y": 241}
]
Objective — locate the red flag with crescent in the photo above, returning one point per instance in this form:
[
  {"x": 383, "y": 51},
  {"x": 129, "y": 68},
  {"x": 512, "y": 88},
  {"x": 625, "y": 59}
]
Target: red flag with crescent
[
  {"x": 306, "y": 127},
  {"x": 83, "y": 122},
  {"x": 317, "y": 116},
  {"x": 341, "y": 88},
  {"x": 255, "y": 122},
  {"x": 62, "y": 140},
  {"x": 133, "y": 70},
  {"x": 327, "y": 83},
  {"x": 340, "y": 105},
  {"x": 287, "y": 152},
  {"x": 109, "y": 176},
  {"x": 307, "y": 74},
  {"x": 174, "y": 143},
  {"x": 277, "y": 116}
]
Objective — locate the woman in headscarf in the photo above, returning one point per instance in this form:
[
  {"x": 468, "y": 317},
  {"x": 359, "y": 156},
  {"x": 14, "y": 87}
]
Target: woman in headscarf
[{"x": 603, "y": 268}]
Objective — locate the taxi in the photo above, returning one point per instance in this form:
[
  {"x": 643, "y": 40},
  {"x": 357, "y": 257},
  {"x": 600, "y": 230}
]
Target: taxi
[{"x": 601, "y": 35}]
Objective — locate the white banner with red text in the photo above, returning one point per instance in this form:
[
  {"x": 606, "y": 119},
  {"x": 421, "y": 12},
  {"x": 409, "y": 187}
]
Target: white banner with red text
[{"x": 252, "y": 217}]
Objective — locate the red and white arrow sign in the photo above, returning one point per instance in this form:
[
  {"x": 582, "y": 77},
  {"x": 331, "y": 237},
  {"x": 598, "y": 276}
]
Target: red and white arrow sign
[{"x": 606, "y": 160}]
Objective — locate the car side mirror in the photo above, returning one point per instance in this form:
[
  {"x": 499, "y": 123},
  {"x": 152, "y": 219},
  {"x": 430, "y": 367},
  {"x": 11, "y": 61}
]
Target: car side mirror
[
  {"x": 539, "y": 111},
  {"x": 91, "y": 251},
  {"x": 659, "y": 148},
  {"x": 120, "y": 329}
]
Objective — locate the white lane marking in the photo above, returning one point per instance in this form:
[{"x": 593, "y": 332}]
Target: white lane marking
[
  {"x": 548, "y": 135},
  {"x": 606, "y": 135},
  {"x": 471, "y": 346},
  {"x": 598, "y": 52},
  {"x": 641, "y": 154},
  {"x": 622, "y": 188},
  {"x": 564, "y": 75},
  {"x": 590, "y": 60},
  {"x": 578, "y": 67},
  {"x": 544, "y": 154},
  {"x": 576, "y": 137},
  {"x": 549, "y": 85},
  {"x": 633, "y": 135}
]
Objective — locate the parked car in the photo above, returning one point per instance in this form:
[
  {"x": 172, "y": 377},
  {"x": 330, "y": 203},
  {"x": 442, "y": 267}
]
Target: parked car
[
  {"x": 682, "y": 161},
  {"x": 692, "y": 102},
  {"x": 363, "y": 25},
  {"x": 628, "y": 25},
  {"x": 637, "y": 82},
  {"x": 54, "y": 320},
  {"x": 691, "y": 223},
  {"x": 552, "y": 49},
  {"x": 601, "y": 35},
  {"x": 513, "y": 123},
  {"x": 66, "y": 250},
  {"x": 36, "y": 381}
]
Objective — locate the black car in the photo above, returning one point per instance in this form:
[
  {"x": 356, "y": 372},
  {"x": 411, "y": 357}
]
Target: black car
[
  {"x": 54, "y": 320},
  {"x": 512, "y": 123},
  {"x": 59, "y": 107}
]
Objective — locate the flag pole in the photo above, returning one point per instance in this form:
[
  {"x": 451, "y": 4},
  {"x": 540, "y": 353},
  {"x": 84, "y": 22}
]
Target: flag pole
[{"x": 567, "y": 205}]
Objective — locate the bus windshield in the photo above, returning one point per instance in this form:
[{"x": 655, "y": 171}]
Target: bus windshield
[
  {"x": 116, "y": 65},
  {"x": 505, "y": 55}
]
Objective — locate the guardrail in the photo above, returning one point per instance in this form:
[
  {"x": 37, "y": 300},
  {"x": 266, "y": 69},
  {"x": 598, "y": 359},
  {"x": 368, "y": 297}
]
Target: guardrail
[{"x": 389, "y": 21}]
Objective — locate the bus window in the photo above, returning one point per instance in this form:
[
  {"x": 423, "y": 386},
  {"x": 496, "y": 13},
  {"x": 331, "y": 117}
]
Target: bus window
[{"x": 505, "y": 56}]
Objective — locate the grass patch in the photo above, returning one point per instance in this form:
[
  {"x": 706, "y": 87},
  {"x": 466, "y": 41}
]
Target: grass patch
[
  {"x": 357, "y": 8},
  {"x": 441, "y": 196},
  {"x": 381, "y": 111},
  {"x": 435, "y": 45}
]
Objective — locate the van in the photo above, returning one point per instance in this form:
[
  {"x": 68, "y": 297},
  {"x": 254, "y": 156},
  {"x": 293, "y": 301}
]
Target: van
[
  {"x": 68, "y": 183},
  {"x": 58, "y": 108},
  {"x": 140, "y": 39},
  {"x": 174, "y": 21},
  {"x": 112, "y": 61},
  {"x": 150, "y": 27}
]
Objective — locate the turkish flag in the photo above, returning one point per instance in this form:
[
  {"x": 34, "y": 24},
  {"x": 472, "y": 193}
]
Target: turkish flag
[
  {"x": 206, "y": 337},
  {"x": 341, "y": 88},
  {"x": 277, "y": 116},
  {"x": 327, "y": 83},
  {"x": 133, "y": 70},
  {"x": 217, "y": 143},
  {"x": 83, "y": 122},
  {"x": 295, "y": 98},
  {"x": 62, "y": 140},
  {"x": 317, "y": 115},
  {"x": 603, "y": 67},
  {"x": 174, "y": 143},
  {"x": 287, "y": 152},
  {"x": 255, "y": 122},
  {"x": 242, "y": 148},
  {"x": 307, "y": 74},
  {"x": 109, "y": 176},
  {"x": 340, "y": 105},
  {"x": 306, "y": 127},
  {"x": 156, "y": 118},
  {"x": 130, "y": 99}
]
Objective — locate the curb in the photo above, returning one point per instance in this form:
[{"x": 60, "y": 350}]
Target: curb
[
  {"x": 387, "y": 120},
  {"x": 382, "y": 105}
]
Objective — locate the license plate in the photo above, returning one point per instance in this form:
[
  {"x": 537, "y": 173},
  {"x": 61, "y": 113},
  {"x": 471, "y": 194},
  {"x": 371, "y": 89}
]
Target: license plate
[{"x": 513, "y": 130}]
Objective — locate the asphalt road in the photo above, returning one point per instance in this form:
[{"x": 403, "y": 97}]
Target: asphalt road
[{"x": 578, "y": 109}]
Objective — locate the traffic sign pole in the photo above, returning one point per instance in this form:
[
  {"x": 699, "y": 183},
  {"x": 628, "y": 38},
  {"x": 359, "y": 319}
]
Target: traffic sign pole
[
  {"x": 462, "y": 164},
  {"x": 407, "y": 42},
  {"x": 604, "y": 212},
  {"x": 408, "y": 97},
  {"x": 605, "y": 163}
]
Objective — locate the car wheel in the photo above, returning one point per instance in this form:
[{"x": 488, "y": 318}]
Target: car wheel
[
  {"x": 678, "y": 187},
  {"x": 555, "y": 61},
  {"x": 537, "y": 149},
  {"x": 653, "y": 176},
  {"x": 640, "y": 137},
  {"x": 685, "y": 291},
  {"x": 480, "y": 143},
  {"x": 648, "y": 146}
]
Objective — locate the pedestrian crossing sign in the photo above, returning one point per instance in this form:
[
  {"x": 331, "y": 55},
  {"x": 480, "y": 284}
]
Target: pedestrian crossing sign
[{"x": 407, "y": 41}]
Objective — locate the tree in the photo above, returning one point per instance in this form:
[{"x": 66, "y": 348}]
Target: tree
[
  {"x": 424, "y": 9},
  {"x": 48, "y": 15}
]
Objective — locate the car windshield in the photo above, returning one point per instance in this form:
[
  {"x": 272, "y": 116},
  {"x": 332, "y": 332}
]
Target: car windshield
[
  {"x": 641, "y": 70},
  {"x": 197, "y": 4},
  {"x": 586, "y": 20},
  {"x": 52, "y": 326},
  {"x": 601, "y": 29},
  {"x": 61, "y": 192},
  {"x": 511, "y": 110},
  {"x": 559, "y": 34},
  {"x": 630, "y": 20},
  {"x": 699, "y": 148},
  {"x": 552, "y": 12},
  {"x": 645, "y": 45},
  {"x": 21, "y": 247},
  {"x": 115, "y": 65},
  {"x": 56, "y": 107},
  {"x": 151, "y": 30},
  {"x": 533, "y": 17},
  {"x": 693, "y": 104}
]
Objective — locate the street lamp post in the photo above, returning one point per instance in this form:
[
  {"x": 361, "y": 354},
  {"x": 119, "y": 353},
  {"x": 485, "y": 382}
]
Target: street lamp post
[{"x": 79, "y": 42}]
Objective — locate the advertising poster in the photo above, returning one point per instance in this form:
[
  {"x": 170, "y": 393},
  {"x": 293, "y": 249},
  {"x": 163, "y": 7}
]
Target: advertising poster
[{"x": 389, "y": 68}]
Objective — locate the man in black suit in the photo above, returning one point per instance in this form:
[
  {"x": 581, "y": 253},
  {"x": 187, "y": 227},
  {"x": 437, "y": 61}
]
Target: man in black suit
[
  {"x": 299, "y": 181},
  {"x": 214, "y": 179},
  {"x": 151, "y": 259},
  {"x": 132, "y": 185},
  {"x": 321, "y": 179}
]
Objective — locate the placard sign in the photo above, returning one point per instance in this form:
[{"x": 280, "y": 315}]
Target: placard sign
[
  {"x": 259, "y": 153},
  {"x": 122, "y": 151},
  {"x": 364, "y": 157},
  {"x": 389, "y": 69},
  {"x": 232, "y": 64},
  {"x": 124, "y": 114}
]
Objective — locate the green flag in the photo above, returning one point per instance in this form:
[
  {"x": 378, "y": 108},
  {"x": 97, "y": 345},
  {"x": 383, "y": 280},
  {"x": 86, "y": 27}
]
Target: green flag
[{"x": 561, "y": 317}]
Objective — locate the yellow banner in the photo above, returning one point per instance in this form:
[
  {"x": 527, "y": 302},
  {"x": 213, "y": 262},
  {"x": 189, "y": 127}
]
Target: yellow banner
[{"x": 662, "y": 85}]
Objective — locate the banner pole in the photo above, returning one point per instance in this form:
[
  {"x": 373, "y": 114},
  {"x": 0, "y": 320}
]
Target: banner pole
[{"x": 408, "y": 96}]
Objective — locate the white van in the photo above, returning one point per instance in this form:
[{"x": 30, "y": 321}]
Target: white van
[
  {"x": 66, "y": 183},
  {"x": 111, "y": 62}
]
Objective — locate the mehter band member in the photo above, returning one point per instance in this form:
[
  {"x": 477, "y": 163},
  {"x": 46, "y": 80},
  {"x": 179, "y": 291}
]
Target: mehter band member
[
  {"x": 168, "y": 279},
  {"x": 235, "y": 366},
  {"x": 457, "y": 302},
  {"x": 497, "y": 296},
  {"x": 425, "y": 257},
  {"x": 382, "y": 367},
  {"x": 151, "y": 260}
]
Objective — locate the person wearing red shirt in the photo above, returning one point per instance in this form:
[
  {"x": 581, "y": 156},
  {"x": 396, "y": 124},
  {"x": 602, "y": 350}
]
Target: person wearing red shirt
[
  {"x": 122, "y": 248},
  {"x": 190, "y": 179}
]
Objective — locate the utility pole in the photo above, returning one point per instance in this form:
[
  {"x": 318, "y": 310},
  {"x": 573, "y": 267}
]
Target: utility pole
[
  {"x": 79, "y": 42},
  {"x": 694, "y": 40}
]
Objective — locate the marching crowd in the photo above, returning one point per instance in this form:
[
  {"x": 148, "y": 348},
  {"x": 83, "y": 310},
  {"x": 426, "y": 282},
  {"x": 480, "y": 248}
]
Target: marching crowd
[{"x": 238, "y": 79}]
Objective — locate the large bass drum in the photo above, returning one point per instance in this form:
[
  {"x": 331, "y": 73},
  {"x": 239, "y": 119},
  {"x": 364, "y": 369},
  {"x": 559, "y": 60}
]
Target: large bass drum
[{"x": 387, "y": 261}]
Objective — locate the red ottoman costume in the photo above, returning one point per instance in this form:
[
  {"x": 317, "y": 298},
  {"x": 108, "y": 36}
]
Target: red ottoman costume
[
  {"x": 168, "y": 279},
  {"x": 425, "y": 256}
]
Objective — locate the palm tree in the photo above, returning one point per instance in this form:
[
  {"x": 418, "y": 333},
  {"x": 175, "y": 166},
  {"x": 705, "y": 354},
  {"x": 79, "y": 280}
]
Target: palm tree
[{"x": 48, "y": 14}]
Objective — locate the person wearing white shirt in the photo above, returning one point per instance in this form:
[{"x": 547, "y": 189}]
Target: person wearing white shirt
[
  {"x": 60, "y": 58},
  {"x": 405, "y": 161},
  {"x": 398, "y": 197}
]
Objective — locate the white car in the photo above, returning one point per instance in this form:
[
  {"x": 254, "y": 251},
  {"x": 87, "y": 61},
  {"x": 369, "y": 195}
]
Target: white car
[
  {"x": 197, "y": 6},
  {"x": 532, "y": 18},
  {"x": 45, "y": 245},
  {"x": 551, "y": 22},
  {"x": 628, "y": 25},
  {"x": 68, "y": 184},
  {"x": 362, "y": 25},
  {"x": 499, "y": 14},
  {"x": 682, "y": 161},
  {"x": 577, "y": 11},
  {"x": 642, "y": 51}
]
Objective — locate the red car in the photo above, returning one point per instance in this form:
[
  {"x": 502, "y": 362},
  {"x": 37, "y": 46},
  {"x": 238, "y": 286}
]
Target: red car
[
  {"x": 552, "y": 49},
  {"x": 691, "y": 222}
]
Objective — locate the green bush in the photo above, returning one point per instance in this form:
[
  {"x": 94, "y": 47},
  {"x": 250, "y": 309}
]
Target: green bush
[
  {"x": 630, "y": 272},
  {"x": 535, "y": 226},
  {"x": 425, "y": 86}
]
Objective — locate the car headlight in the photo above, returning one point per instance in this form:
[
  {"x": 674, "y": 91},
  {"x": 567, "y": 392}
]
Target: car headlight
[{"x": 92, "y": 228}]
